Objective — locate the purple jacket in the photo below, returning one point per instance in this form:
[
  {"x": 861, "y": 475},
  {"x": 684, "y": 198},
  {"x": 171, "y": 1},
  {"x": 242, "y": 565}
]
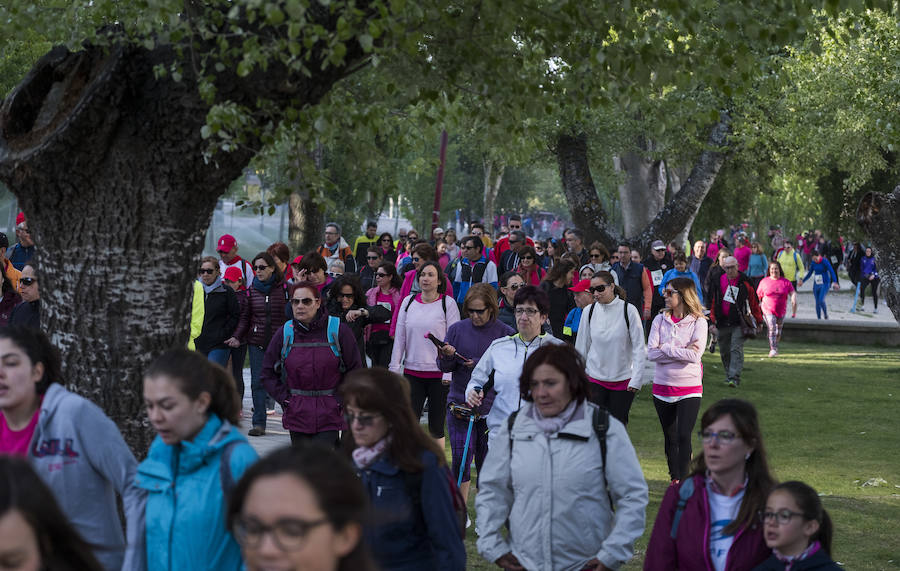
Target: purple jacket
[
  {"x": 471, "y": 342},
  {"x": 260, "y": 310},
  {"x": 310, "y": 369},
  {"x": 690, "y": 551}
]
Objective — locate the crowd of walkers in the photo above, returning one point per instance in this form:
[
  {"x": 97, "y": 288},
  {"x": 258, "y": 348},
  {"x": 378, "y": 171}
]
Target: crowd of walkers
[{"x": 527, "y": 353}]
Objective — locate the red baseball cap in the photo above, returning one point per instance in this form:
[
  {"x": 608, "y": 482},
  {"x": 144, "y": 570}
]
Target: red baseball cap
[
  {"x": 226, "y": 243},
  {"x": 20, "y": 217},
  {"x": 583, "y": 285},
  {"x": 297, "y": 260},
  {"x": 233, "y": 274}
]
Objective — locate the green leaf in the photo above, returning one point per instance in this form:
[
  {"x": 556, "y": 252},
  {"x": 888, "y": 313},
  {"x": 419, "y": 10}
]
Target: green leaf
[{"x": 365, "y": 41}]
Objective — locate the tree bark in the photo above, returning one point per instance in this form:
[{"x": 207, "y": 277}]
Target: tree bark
[
  {"x": 107, "y": 162},
  {"x": 643, "y": 193},
  {"x": 879, "y": 216},
  {"x": 492, "y": 180},
  {"x": 306, "y": 222},
  {"x": 581, "y": 194}
]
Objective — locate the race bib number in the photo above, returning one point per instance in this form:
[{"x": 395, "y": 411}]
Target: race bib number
[
  {"x": 731, "y": 294},
  {"x": 657, "y": 276},
  {"x": 818, "y": 279},
  {"x": 833, "y": 260}
]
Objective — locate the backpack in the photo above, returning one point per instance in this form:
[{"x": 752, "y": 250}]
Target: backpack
[
  {"x": 684, "y": 494},
  {"x": 443, "y": 304},
  {"x": 624, "y": 312},
  {"x": 413, "y": 483},
  {"x": 331, "y": 335},
  {"x": 600, "y": 422}
]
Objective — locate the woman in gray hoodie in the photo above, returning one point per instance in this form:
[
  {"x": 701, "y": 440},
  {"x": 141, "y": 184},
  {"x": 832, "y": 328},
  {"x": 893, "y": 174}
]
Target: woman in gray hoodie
[{"x": 72, "y": 445}]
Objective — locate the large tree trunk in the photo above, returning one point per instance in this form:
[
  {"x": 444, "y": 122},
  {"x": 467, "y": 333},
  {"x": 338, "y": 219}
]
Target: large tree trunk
[
  {"x": 306, "y": 223},
  {"x": 584, "y": 203},
  {"x": 643, "y": 193},
  {"x": 108, "y": 164},
  {"x": 879, "y": 215},
  {"x": 493, "y": 176}
]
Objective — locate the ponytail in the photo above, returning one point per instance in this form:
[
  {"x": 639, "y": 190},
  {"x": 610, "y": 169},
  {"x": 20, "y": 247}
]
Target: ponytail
[
  {"x": 195, "y": 374},
  {"x": 811, "y": 506},
  {"x": 620, "y": 292}
]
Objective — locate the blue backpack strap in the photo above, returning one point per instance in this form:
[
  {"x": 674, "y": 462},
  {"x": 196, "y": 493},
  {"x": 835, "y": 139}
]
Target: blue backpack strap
[
  {"x": 288, "y": 340},
  {"x": 226, "y": 478},
  {"x": 334, "y": 324},
  {"x": 684, "y": 494}
]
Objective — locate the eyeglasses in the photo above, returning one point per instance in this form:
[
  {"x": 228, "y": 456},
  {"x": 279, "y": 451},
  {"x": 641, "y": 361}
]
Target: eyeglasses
[
  {"x": 345, "y": 295},
  {"x": 362, "y": 419},
  {"x": 669, "y": 292},
  {"x": 783, "y": 517},
  {"x": 467, "y": 248},
  {"x": 527, "y": 258},
  {"x": 371, "y": 257},
  {"x": 260, "y": 268},
  {"x": 206, "y": 271},
  {"x": 599, "y": 289},
  {"x": 514, "y": 287},
  {"x": 476, "y": 311},
  {"x": 327, "y": 233},
  {"x": 289, "y": 534},
  {"x": 529, "y": 311},
  {"x": 388, "y": 239},
  {"x": 723, "y": 436},
  {"x": 27, "y": 281},
  {"x": 729, "y": 267},
  {"x": 307, "y": 301},
  {"x": 596, "y": 255}
]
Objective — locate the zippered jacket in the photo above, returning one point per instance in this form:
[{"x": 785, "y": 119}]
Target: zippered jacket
[{"x": 265, "y": 314}]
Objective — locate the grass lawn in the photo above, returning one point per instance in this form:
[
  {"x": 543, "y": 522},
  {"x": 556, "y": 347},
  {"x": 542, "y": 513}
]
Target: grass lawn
[{"x": 830, "y": 416}]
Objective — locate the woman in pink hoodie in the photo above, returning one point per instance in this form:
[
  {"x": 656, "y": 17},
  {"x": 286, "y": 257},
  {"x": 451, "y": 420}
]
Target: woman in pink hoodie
[{"x": 676, "y": 344}]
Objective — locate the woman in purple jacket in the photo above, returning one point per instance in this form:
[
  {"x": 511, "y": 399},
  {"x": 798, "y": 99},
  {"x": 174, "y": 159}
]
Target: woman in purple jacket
[
  {"x": 306, "y": 381},
  {"x": 471, "y": 337},
  {"x": 709, "y": 520}
]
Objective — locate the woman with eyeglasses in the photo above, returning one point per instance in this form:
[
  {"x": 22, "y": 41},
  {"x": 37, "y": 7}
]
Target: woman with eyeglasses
[
  {"x": 221, "y": 313},
  {"x": 611, "y": 340},
  {"x": 466, "y": 342},
  {"x": 676, "y": 344},
  {"x": 528, "y": 267},
  {"x": 413, "y": 524},
  {"x": 502, "y": 362},
  {"x": 509, "y": 284},
  {"x": 429, "y": 312},
  {"x": 9, "y": 298},
  {"x": 312, "y": 268},
  {"x": 556, "y": 283},
  {"x": 348, "y": 302},
  {"x": 386, "y": 294},
  {"x": 600, "y": 259},
  {"x": 193, "y": 463},
  {"x": 301, "y": 509},
  {"x": 709, "y": 520},
  {"x": 28, "y": 312},
  {"x": 304, "y": 365},
  {"x": 385, "y": 243},
  {"x": 267, "y": 304}
]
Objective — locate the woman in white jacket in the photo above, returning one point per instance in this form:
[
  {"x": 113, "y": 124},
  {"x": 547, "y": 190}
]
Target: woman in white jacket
[
  {"x": 676, "y": 344},
  {"x": 546, "y": 474},
  {"x": 611, "y": 340}
]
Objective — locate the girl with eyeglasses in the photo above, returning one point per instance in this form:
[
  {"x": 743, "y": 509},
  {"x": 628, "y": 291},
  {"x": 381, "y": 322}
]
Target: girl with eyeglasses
[
  {"x": 528, "y": 266},
  {"x": 676, "y": 344},
  {"x": 716, "y": 506},
  {"x": 192, "y": 464},
  {"x": 386, "y": 294},
  {"x": 413, "y": 524},
  {"x": 612, "y": 344},
  {"x": 221, "y": 314},
  {"x": 301, "y": 509},
  {"x": 509, "y": 284},
  {"x": 266, "y": 311},
  {"x": 304, "y": 377},
  {"x": 798, "y": 530}
]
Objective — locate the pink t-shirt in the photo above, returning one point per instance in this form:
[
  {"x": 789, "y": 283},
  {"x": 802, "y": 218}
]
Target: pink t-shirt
[
  {"x": 15, "y": 442},
  {"x": 387, "y": 301},
  {"x": 773, "y": 295},
  {"x": 742, "y": 255}
]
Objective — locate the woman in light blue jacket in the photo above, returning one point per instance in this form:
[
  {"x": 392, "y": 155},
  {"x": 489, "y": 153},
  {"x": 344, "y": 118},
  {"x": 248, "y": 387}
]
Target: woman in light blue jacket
[{"x": 192, "y": 464}]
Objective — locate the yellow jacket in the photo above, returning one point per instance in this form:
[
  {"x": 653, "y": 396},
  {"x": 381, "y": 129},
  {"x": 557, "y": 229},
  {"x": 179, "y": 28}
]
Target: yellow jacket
[{"x": 198, "y": 311}]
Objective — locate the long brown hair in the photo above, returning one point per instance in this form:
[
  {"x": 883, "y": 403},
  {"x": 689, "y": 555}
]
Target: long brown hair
[
  {"x": 688, "y": 292},
  {"x": 759, "y": 479},
  {"x": 379, "y": 390},
  {"x": 194, "y": 374}
]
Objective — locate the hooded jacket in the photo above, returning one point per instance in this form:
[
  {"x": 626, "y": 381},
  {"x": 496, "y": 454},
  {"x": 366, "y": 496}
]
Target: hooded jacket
[
  {"x": 221, "y": 313},
  {"x": 690, "y": 548},
  {"x": 80, "y": 454},
  {"x": 550, "y": 488},
  {"x": 310, "y": 369},
  {"x": 677, "y": 349},
  {"x": 186, "y": 506},
  {"x": 505, "y": 357},
  {"x": 612, "y": 351}
]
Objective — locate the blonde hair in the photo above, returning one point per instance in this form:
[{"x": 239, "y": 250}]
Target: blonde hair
[{"x": 688, "y": 292}]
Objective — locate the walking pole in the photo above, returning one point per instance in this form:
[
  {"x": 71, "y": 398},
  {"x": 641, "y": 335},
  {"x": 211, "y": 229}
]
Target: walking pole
[
  {"x": 465, "y": 457},
  {"x": 855, "y": 297}
]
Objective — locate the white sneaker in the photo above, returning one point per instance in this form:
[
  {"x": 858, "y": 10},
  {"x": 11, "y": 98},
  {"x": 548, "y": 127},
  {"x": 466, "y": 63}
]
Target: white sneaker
[
  {"x": 876, "y": 310},
  {"x": 468, "y": 521},
  {"x": 772, "y": 353}
]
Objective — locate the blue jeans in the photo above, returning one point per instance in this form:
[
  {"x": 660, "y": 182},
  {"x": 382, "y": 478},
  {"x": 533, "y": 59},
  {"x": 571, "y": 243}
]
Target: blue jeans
[
  {"x": 219, "y": 356},
  {"x": 256, "y": 388},
  {"x": 820, "y": 291}
]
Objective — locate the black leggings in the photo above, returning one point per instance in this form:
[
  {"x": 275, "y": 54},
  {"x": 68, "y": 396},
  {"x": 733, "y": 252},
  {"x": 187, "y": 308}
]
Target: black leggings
[
  {"x": 328, "y": 438},
  {"x": 436, "y": 393},
  {"x": 618, "y": 403},
  {"x": 677, "y": 420},
  {"x": 862, "y": 290}
]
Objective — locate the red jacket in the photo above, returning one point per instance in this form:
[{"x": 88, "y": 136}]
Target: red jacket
[
  {"x": 501, "y": 246},
  {"x": 690, "y": 550}
]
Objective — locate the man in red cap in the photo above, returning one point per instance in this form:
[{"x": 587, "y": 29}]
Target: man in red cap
[
  {"x": 583, "y": 298},
  {"x": 227, "y": 248},
  {"x": 24, "y": 248}
]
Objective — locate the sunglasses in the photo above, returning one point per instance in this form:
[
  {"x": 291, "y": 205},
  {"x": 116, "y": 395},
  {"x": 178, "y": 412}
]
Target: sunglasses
[
  {"x": 378, "y": 275},
  {"x": 669, "y": 292},
  {"x": 527, "y": 258},
  {"x": 307, "y": 301},
  {"x": 362, "y": 419},
  {"x": 514, "y": 287},
  {"x": 596, "y": 255},
  {"x": 345, "y": 295},
  {"x": 260, "y": 268},
  {"x": 599, "y": 289},
  {"x": 371, "y": 257},
  {"x": 476, "y": 311},
  {"x": 27, "y": 281},
  {"x": 205, "y": 271}
]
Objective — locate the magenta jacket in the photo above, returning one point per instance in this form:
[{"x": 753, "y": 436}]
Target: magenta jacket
[{"x": 690, "y": 550}]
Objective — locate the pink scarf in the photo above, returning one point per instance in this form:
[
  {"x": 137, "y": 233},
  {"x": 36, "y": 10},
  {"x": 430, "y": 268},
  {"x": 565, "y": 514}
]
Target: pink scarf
[{"x": 365, "y": 456}]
